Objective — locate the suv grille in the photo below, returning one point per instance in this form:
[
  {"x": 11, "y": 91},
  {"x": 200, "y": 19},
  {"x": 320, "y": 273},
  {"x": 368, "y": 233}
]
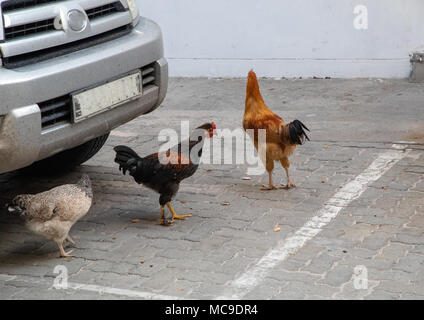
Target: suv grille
[
  {"x": 30, "y": 28},
  {"x": 104, "y": 10},
  {"x": 45, "y": 54},
  {"x": 48, "y": 25},
  {"x": 19, "y": 4},
  {"x": 30, "y": 34},
  {"x": 59, "y": 110}
]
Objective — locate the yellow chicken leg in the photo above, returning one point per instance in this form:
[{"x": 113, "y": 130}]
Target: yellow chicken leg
[
  {"x": 175, "y": 215},
  {"x": 162, "y": 217}
]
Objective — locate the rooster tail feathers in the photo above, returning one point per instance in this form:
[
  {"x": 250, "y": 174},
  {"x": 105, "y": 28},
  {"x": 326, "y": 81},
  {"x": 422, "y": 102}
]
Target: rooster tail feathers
[
  {"x": 297, "y": 134},
  {"x": 252, "y": 88},
  {"x": 126, "y": 158},
  {"x": 126, "y": 151}
]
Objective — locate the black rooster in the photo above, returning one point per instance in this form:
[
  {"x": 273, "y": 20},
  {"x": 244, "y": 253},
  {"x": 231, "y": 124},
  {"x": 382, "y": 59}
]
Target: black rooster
[{"x": 163, "y": 172}]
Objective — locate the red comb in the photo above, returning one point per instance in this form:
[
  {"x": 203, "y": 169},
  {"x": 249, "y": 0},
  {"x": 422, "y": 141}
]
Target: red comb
[{"x": 213, "y": 125}]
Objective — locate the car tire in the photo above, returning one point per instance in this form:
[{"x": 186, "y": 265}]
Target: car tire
[{"x": 69, "y": 159}]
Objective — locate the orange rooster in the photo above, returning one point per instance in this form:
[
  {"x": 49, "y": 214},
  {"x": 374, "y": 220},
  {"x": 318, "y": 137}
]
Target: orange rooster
[{"x": 281, "y": 138}]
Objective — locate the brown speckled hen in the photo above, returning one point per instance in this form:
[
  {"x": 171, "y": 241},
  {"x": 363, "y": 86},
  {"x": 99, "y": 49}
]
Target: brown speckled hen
[
  {"x": 163, "y": 172},
  {"x": 53, "y": 213}
]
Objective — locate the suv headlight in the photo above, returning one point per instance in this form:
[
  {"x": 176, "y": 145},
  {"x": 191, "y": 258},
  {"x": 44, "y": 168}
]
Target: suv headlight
[{"x": 132, "y": 6}]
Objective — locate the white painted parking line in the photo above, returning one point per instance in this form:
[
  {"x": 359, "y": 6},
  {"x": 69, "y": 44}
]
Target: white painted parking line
[
  {"x": 92, "y": 288},
  {"x": 123, "y": 134},
  {"x": 121, "y": 292},
  {"x": 6, "y": 277},
  {"x": 351, "y": 191}
]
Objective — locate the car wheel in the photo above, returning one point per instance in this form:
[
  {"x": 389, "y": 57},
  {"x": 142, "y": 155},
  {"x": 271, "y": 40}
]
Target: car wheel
[{"x": 69, "y": 159}]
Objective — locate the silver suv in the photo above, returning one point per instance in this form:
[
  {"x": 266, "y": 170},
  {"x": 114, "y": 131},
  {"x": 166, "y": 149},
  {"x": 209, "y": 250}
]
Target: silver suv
[{"x": 70, "y": 72}]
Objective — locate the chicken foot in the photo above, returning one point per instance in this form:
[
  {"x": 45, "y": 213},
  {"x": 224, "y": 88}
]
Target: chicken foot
[
  {"x": 63, "y": 253},
  {"x": 162, "y": 217},
  {"x": 290, "y": 182},
  {"x": 271, "y": 185},
  {"x": 175, "y": 215}
]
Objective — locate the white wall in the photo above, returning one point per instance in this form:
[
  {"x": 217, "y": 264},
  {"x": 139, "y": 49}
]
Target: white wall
[{"x": 287, "y": 38}]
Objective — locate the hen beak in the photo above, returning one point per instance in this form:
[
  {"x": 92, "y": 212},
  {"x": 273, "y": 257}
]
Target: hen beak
[{"x": 12, "y": 208}]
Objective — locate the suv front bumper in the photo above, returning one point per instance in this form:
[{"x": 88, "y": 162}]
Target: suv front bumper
[{"x": 22, "y": 140}]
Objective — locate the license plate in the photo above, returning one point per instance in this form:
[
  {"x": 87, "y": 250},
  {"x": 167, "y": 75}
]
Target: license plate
[{"x": 105, "y": 97}]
